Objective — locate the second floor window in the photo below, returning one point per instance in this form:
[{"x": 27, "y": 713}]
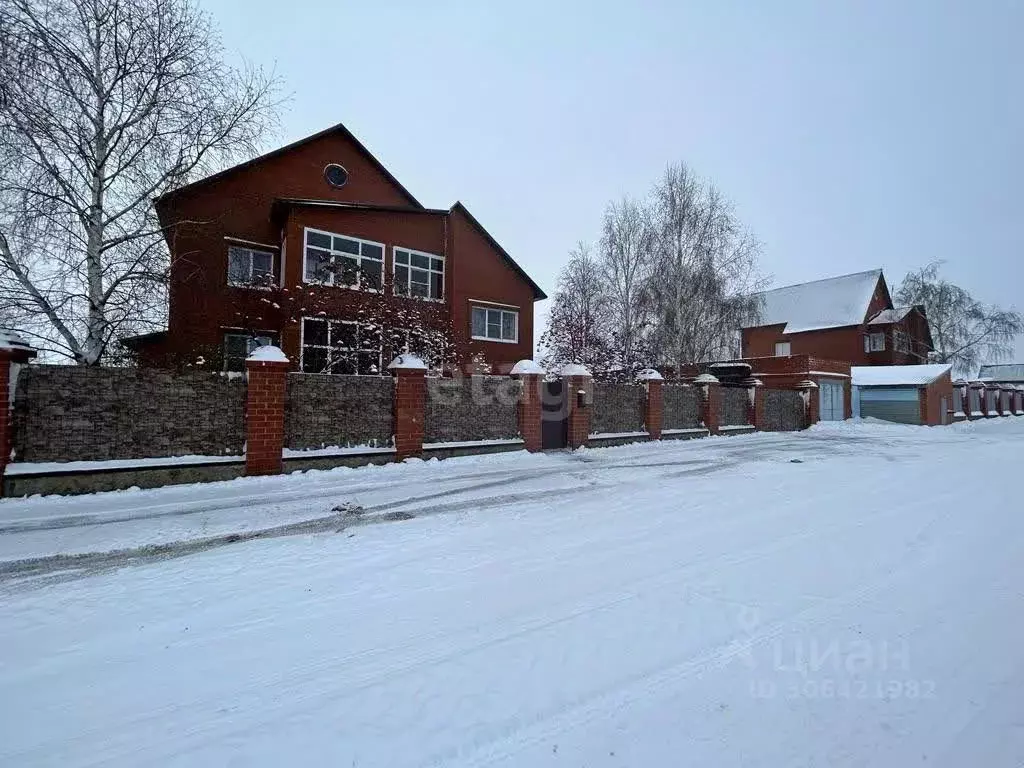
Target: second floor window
[
  {"x": 782, "y": 349},
  {"x": 250, "y": 267},
  {"x": 342, "y": 260},
  {"x": 495, "y": 324},
  {"x": 874, "y": 342},
  {"x": 901, "y": 341},
  {"x": 419, "y": 274}
]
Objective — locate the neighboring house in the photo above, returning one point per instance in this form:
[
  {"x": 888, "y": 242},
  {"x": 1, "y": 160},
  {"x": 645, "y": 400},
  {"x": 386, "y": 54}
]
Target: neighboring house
[
  {"x": 317, "y": 248},
  {"x": 849, "y": 318},
  {"x": 922, "y": 394},
  {"x": 1012, "y": 373}
]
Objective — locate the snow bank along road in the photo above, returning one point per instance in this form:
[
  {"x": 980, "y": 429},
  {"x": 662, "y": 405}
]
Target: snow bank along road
[{"x": 698, "y": 603}]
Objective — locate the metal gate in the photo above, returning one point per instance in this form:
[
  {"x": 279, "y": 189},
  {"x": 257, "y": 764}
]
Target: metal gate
[
  {"x": 831, "y": 401},
  {"x": 554, "y": 423}
]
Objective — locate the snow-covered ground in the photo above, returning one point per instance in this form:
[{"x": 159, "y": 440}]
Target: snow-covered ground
[{"x": 848, "y": 596}]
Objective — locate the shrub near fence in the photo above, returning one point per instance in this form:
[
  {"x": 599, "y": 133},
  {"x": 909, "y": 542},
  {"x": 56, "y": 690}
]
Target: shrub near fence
[
  {"x": 734, "y": 403},
  {"x": 471, "y": 408},
  {"x": 617, "y": 408},
  {"x": 783, "y": 410},
  {"x": 71, "y": 413},
  {"x": 324, "y": 410},
  {"x": 681, "y": 407}
]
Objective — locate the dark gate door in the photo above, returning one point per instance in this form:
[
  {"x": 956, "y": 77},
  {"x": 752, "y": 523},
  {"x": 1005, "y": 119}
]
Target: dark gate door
[{"x": 554, "y": 424}]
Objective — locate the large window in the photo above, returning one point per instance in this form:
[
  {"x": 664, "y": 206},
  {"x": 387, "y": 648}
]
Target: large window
[
  {"x": 495, "y": 324},
  {"x": 782, "y": 349},
  {"x": 250, "y": 267},
  {"x": 874, "y": 342},
  {"x": 341, "y": 260},
  {"x": 419, "y": 274},
  {"x": 239, "y": 345},
  {"x": 340, "y": 346}
]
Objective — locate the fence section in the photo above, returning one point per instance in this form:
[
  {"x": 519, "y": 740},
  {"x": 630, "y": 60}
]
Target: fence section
[
  {"x": 734, "y": 403},
  {"x": 617, "y": 408},
  {"x": 324, "y": 410},
  {"x": 681, "y": 407},
  {"x": 473, "y": 408},
  {"x": 783, "y": 410}
]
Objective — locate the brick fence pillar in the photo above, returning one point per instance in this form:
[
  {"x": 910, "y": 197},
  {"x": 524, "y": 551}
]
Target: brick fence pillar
[
  {"x": 976, "y": 389},
  {"x": 528, "y": 410},
  {"x": 755, "y": 403},
  {"x": 410, "y": 404},
  {"x": 267, "y": 374},
  {"x": 710, "y": 401},
  {"x": 812, "y": 407},
  {"x": 654, "y": 403},
  {"x": 1019, "y": 407},
  {"x": 992, "y": 390},
  {"x": 578, "y": 391},
  {"x": 14, "y": 353}
]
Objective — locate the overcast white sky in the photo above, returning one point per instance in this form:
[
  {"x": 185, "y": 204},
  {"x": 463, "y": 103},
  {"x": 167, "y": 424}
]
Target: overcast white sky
[{"x": 850, "y": 135}]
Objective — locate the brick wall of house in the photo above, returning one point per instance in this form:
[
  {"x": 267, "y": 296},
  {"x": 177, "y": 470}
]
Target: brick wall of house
[
  {"x": 325, "y": 410},
  {"x": 681, "y": 407},
  {"x": 734, "y": 404},
  {"x": 783, "y": 410},
  {"x": 617, "y": 408},
  {"x": 471, "y": 408},
  {"x": 69, "y": 413}
]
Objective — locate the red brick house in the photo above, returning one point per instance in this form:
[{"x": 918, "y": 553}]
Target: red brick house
[
  {"x": 317, "y": 248},
  {"x": 849, "y": 318}
]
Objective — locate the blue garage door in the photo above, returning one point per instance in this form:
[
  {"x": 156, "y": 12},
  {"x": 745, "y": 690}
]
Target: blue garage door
[{"x": 899, "y": 404}]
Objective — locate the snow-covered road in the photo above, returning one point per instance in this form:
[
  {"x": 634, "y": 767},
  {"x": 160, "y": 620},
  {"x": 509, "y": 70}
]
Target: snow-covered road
[{"x": 700, "y": 603}]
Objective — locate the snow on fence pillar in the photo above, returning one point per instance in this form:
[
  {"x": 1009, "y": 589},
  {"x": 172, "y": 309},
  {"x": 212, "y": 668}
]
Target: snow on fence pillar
[
  {"x": 710, "y": 401},
  {"x": 578, "y": 391},
  {"x": 977, "y": 398},
  {"x": 410, "y": 402},
  {"x": 14, "y": 353},
  {"x": 528, "y": 409},
  {"x": 654, "y": 408},
  {"x": 267, "y": 369},
  {"x": 992, "y": 405},
  {"x": 809, "y": 392},
  {"x": 755, "y": 402}
]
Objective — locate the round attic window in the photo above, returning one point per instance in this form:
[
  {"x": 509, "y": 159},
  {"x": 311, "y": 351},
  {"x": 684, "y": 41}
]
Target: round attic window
[{"x": 335, "y": 175}]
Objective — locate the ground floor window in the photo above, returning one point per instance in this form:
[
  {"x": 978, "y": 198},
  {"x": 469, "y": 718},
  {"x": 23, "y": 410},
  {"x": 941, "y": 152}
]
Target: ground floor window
[
  {"x": 238, "y": 345},
  {"x": 492, "y": 324},
  {"x": 340, "y": 346}
]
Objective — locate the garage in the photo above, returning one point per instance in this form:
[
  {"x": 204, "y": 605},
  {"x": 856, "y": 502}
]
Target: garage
[
  {"x": 903, "y": 394},
  {"x": 830, "y": 394}
]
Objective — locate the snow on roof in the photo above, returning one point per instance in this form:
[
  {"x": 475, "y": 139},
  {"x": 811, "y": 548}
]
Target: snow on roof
[
  {"x": 527, "y": 366},
  {"x": 897, "y": 375},
  {"x": 649, "y": 374},
  {"x": 574, "y": 369},
  {"x": 408, "y": 362},
  {"x": 831, "y": 303},
  {"x": 1011, "y": 372},
  {"x": 888, "y": 316},
  {"x": 268, "y": 354},
  {"x": 11, "y": 340}
]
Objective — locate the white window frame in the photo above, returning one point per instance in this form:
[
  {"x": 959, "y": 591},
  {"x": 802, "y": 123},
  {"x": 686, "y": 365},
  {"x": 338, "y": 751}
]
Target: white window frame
[
  {"x": 343, "y": 254},
  {"x": 869, "y": 342},
  {"x": 250, "y": 252},
  {"x": 409, "y": 267},
  {"x": 784, "y": 345},
  {"x": 503, "y": 309},
  {"x": 329, "y": 347},
  {"x": 255, "y": 336}
]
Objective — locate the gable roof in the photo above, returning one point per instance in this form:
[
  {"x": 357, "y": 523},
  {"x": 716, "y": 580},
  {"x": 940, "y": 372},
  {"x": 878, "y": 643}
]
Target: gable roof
[
  {"x": 1011, "y": 372},
  {"x": 897, "y": 375},
  {"x": 889, "y": 316},
  {"x": 831, "y": 303},
  {"x": 339, "y": 129},
  {"x": 538, "y": 294}
]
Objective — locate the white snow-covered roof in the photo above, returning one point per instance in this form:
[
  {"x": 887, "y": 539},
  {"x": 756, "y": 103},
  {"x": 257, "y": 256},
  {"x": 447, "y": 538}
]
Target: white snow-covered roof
[
  {"x": 268, "y": 354},
  {"x": 11, "y": 340},
  {"x": 574, "y": 369},
  {"x": 1011, "y": 372},
  {"x": 831, "y": 303},
  {"x": 407, "y": 362},
  {"x": 527, "y": 366},
  {"x": 897, "y": 375},
  {"x": 889, "y": 316},
  {"x": 649, "y": 374}
]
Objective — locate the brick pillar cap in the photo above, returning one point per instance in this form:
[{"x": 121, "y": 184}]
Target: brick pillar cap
[
  {"x": 649, "y": 374},
  {"x": 575, "y": 369},
  {"x": 806, "y": 384},
  {"x": 524, "y": 367},
  {"x": 267, "y": 354},
  {"x": 12, "y": 345},
  {"x": 705, "y": 378},
  {"x": 752, "y": 382},
  {"x": 407, "y": 362}
]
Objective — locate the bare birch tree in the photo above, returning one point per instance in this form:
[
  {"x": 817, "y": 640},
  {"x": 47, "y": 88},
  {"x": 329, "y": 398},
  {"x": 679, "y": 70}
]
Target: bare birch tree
[
  {"x": 578, "y": 328},
  {"x": 706, "y": 271},
  {"x": 104, "y": 105},
  {"x": 626, "y": 261},
  {"x": 966, "y": 333}
]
